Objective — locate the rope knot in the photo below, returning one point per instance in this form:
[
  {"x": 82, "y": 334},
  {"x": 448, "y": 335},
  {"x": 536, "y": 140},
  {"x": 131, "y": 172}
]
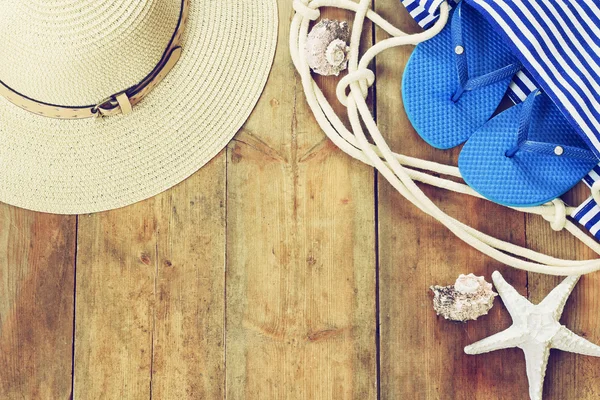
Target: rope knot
[
  {"x": 365, "y": 78},
  {"x": 303, "y": 9},
  {"x": 558, "y": 221}
]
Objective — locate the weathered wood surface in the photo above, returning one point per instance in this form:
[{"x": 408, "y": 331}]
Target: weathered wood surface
[
  {"x": 37, "y": 262},
  {"x": 569, "y": 376},
  {"x": 282, "y": 270},
  {"x": 421, "y": 354},
  {"x": 300, "y": 251},
  {"x": 150, "y": 295}
]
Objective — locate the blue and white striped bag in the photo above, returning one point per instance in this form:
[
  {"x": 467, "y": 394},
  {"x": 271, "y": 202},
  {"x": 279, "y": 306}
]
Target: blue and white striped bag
[
  {"x": 558, "y": 42},
  {"x": 425, "y": 12},
  {"x": 588, "y": 213}
]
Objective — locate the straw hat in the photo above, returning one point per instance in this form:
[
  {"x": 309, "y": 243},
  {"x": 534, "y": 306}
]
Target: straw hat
[{"x": 107, "y": 102}]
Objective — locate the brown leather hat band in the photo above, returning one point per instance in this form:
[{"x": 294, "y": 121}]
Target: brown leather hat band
[{"x": 121, "y": 102}]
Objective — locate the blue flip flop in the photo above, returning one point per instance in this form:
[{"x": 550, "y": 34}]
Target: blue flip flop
[
  {"x": 454, "y": 82},
  {"x": 525, "y": 156}
]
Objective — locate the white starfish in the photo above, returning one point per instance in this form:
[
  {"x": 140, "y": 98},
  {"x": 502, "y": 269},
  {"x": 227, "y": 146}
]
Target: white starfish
[{"x": 535, "y": 330}]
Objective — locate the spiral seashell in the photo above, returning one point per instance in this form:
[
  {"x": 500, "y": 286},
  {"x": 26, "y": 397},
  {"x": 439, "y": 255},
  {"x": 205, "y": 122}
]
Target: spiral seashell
[
  {"x": 327, "y": 47},
  {"x": 469, "y": 298}
]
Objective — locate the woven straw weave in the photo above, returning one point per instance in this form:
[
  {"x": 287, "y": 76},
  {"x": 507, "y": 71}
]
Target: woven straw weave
[{"x": 76, "y": 52}]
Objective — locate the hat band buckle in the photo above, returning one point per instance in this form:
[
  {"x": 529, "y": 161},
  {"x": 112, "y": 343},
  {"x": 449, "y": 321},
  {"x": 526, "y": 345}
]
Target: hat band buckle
[{"x": 119, "y": 103}]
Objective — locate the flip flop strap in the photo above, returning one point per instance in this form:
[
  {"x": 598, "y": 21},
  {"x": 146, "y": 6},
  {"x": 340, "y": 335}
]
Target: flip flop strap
[
  {"x": 523, "y": 144},
  {"x": 525, "y": 117},
  {"x": 555, "y": 150},
  {"x": 462, "y": 65},
  {"x": 492, "y": 77}
]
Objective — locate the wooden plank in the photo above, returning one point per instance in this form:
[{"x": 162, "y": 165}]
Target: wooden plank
[
  {"x": 37, "y": 259},
  {"x": 300, "y": 249},
  {"x": 189, "y": 348},
  {"x": 116, "y": 267},
  {"x": 569, "y": 376},
  {"x": 150, "y": 295},
  {"x": 422, "y": 354}
]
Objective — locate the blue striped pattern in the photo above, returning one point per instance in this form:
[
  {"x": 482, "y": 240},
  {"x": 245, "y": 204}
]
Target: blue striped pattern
[
  {"x": 558, "y": 42},
  {"x": 425, "y": 12},
  {"x": 593, "y": 176},
  {"x": 588, "y": 215},
  {"x": 521, "y": 86}
]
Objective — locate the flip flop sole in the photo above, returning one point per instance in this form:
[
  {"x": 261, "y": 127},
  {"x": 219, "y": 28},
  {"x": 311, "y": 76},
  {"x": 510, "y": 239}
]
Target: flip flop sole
[
  {"x": 527, "y": 178},
  {"x": 431, "y": 79}
]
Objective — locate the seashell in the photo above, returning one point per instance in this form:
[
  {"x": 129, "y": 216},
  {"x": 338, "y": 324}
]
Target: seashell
[
  {"x": 469, "y": 298},
  {"x": 327, "y": 47}
]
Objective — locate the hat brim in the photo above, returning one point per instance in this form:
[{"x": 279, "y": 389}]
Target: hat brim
[{"x": 91, "y": 165}]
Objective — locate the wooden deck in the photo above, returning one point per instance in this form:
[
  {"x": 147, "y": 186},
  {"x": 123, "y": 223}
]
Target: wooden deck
[{"x": 281, "y": 270}]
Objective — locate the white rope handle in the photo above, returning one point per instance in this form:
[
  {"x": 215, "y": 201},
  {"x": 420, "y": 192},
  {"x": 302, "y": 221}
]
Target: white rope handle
[{"x": 401, "y": 171}]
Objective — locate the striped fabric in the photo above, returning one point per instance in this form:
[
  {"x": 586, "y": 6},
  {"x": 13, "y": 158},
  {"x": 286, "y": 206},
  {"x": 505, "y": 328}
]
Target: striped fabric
[
  {"x": 588, "y": 213},
  {"x": 592, "y": 176},
  {"x": 425, "y": 12},
  {"x": 537, "y": 38},
  {"x": 521, "y": 86},
  {"x": 558, "y": 42}
]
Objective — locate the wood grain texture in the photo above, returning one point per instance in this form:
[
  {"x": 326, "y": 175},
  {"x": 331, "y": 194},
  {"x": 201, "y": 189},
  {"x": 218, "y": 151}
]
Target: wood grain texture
[
  {"x": 569, "y": 376},
  {"x": 116, "y": 269},
  {"x": 189, "y": 342},
  {"x": 421, "y": 354},
  {"x": 150, "y": 301},
  {"x": 301, "y": 253},
  {"x": 37, "y": 253},
  {"x": 283, "y": 269}
]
